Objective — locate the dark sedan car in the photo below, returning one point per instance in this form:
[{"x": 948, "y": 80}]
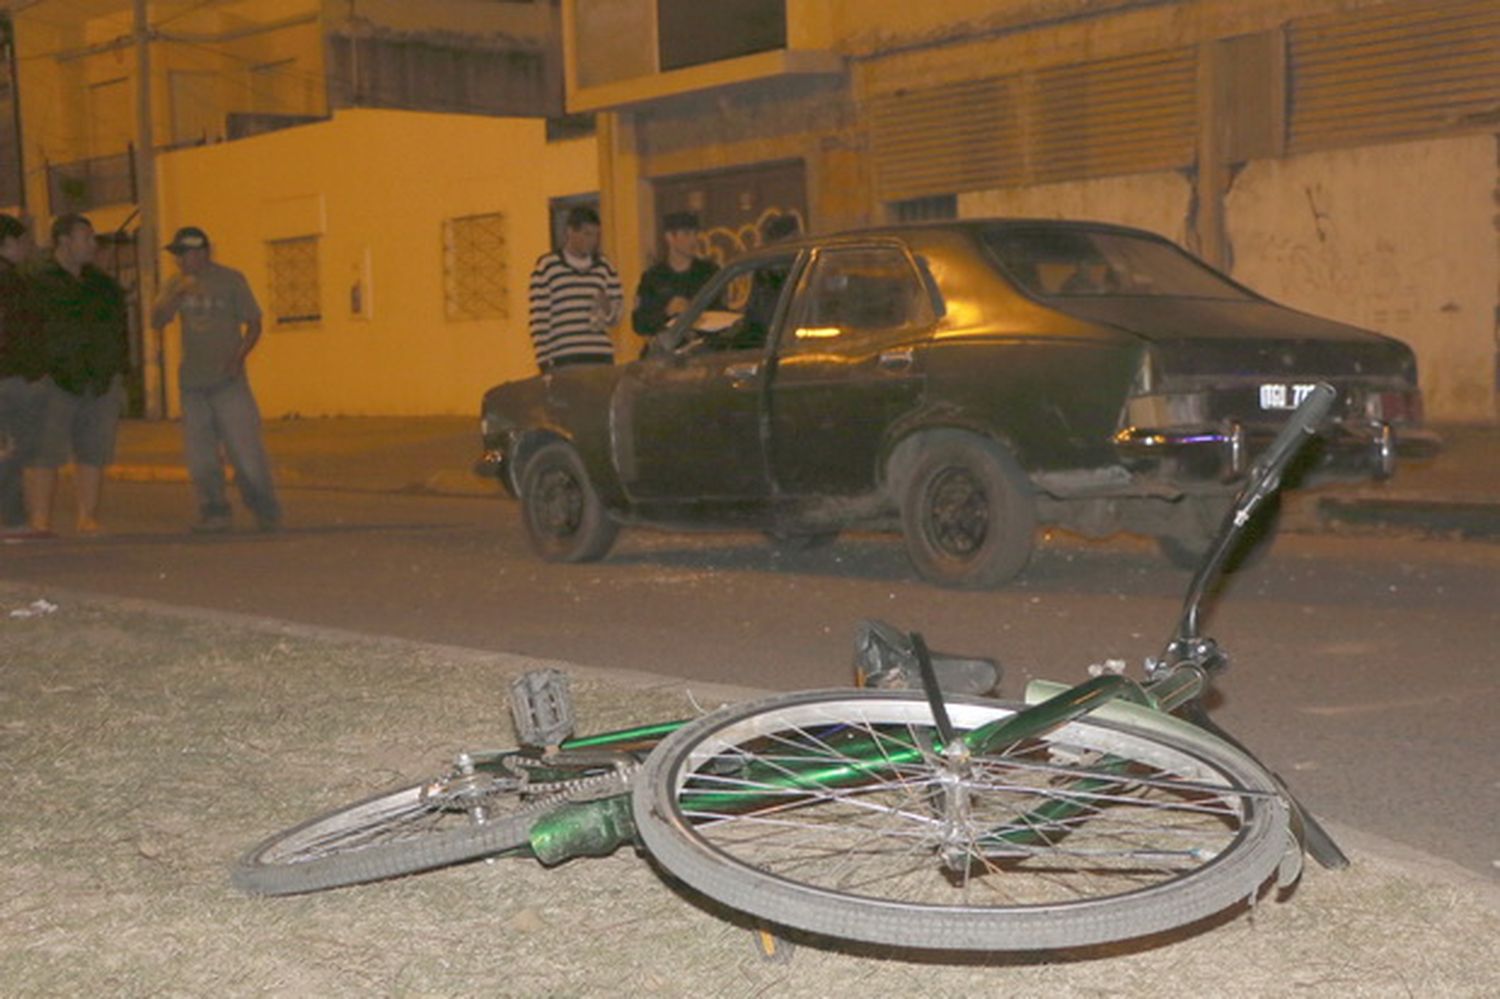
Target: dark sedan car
[{"x": 966, "y": 381}]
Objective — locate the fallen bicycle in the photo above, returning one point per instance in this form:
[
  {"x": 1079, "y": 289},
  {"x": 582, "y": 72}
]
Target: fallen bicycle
[{"x": 913, "y": 812}]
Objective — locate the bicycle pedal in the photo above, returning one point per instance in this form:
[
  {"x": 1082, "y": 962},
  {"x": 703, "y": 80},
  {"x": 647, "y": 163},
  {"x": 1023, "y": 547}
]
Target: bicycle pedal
[{"x": 541, "y": 707}]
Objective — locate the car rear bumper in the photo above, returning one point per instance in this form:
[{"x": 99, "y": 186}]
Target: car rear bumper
[{"x": 1366, "y": 451}]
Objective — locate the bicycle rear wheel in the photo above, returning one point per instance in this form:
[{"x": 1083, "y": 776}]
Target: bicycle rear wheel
[
  {"x": 447, "y": 820},
  {"x": 830, "y": 812}
]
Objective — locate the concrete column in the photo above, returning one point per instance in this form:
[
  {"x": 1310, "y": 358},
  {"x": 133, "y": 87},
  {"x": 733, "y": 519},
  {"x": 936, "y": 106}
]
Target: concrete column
[
  {"x": 625, "y": 206},
  {"x": 1212, "y": 175},
  {"x": 147, "y": 253}
]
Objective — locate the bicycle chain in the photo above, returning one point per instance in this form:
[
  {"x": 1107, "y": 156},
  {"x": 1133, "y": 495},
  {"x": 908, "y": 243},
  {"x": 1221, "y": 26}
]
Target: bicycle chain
[{"x": 589, "y": 788}]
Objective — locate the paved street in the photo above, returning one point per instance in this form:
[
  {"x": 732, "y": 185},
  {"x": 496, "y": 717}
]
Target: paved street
[{"x": 1365, "y": 669}]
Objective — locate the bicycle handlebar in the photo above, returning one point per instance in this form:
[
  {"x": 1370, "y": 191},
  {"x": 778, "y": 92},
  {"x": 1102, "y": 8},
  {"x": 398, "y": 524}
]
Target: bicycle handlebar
[
  {"x": 1263, "y": 480},
  {"x": 1305, "y": 421}
]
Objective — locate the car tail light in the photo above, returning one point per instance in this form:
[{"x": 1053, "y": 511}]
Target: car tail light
[{"x": 1399, "y": 407}]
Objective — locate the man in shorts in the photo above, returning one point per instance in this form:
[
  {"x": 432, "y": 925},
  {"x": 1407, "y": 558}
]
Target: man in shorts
[
  {"x": 221, "y": 324},
  {"x": 85, "y": 352}
]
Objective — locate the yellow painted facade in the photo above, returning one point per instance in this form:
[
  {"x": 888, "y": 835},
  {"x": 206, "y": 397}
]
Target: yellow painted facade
[
  {"x": 1165, "y": 114},
  {"x": 815, "y": 102},
  {"x": 383, "y": 197},
  {"x": 77, "y": 79},
  {"x": 375, "y": 189}
]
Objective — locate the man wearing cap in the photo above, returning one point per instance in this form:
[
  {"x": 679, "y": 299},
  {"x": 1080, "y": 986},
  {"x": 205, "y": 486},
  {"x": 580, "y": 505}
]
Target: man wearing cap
[
  {"x": 221, "y": 324},
  {"x": 668, "y": 286},
  {"x": 84, "y": 350}
]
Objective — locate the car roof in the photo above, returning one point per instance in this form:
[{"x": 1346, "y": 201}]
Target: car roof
[{"x": 914, "y": 231}]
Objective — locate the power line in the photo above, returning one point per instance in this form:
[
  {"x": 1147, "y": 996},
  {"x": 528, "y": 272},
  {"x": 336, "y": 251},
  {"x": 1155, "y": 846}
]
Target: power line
[{"x": 184, "y": 13}]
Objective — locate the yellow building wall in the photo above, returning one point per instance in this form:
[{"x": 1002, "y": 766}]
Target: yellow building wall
[{"x": 375, "y": 187}]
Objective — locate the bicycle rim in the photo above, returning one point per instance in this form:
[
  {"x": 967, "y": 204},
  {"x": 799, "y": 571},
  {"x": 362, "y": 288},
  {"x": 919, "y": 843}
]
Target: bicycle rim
[{"x": 830, "y": 812}]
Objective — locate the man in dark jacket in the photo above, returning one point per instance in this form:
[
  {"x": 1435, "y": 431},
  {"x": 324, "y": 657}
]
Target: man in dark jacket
[
  {"x": 668, "y": 286},
  {"x": 22, "y": 398},
  {"x": 86, "y": 353}
]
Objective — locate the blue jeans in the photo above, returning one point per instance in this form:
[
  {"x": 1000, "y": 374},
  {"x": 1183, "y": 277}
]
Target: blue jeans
[
  {"x": 223, "y": 421},
  {"x": 23, "y": 406}
]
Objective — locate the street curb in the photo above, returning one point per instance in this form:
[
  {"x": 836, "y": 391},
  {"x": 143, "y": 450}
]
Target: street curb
[
  {"x": 1466, "y": 519},
  {"x": 446, "y": 482},
  {"x": 178, "y": 473},
  {"x": 1463, "y": 519},
  {"x": 1411, "y": 862}
]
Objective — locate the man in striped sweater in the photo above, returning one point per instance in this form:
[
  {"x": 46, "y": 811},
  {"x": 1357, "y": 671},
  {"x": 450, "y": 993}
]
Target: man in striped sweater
[{"x": 575, "y": 298}]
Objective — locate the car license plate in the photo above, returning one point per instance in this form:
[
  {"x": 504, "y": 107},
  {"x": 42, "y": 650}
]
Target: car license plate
[{"x": 1280, "y": 395}]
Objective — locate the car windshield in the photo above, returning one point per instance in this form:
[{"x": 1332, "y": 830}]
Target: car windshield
[{"x": 1068, "y": 263}]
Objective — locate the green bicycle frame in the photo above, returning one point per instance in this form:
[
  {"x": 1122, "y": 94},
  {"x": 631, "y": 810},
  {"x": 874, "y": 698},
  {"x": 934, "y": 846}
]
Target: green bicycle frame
[{"x": 596, "y": 828}]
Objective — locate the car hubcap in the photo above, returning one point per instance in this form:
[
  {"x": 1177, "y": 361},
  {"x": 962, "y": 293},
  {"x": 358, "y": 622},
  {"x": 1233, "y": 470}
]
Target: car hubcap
[
  {"x": 960, "y": 513},
  {"x": 561, "y": 508}
]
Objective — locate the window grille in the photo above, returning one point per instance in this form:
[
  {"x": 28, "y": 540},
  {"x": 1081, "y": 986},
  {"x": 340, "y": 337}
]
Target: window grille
[
  {"x": 475, "y": 285},
  {"x": 932, "y": 208},
  {"x": 295, "y": 292}
]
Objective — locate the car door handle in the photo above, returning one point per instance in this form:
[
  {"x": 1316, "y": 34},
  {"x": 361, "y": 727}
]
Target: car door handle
[
  {"x": 896, "y": 360},
  {"x": 743, "y": 371}
]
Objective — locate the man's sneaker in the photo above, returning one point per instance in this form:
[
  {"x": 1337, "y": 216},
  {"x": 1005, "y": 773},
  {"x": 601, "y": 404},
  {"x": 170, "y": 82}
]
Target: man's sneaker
[{"x": 216, "y": 524}]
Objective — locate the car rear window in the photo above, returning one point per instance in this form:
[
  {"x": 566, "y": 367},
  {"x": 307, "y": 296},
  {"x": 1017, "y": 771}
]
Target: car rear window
[{"x": 1074, "y": 263}]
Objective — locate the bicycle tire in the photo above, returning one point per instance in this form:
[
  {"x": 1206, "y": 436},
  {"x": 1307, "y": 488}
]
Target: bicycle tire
[
  {"x": 860, "y": 862},
  {"x": 403, "y": 831}
]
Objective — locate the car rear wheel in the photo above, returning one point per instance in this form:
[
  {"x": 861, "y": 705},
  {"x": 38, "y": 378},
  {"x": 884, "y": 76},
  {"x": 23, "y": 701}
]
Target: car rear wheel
[
  {"x": 967, "y": 512},
  {"x": 565, "y": 520}
]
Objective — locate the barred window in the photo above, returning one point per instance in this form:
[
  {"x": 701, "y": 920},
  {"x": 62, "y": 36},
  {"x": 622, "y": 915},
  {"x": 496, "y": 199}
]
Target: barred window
[
  {"x": 474, "y": 267},
  {"x": 295, "y": 292}
]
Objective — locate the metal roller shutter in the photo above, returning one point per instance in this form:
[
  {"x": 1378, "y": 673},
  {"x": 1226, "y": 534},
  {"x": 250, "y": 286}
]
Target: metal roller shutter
[
  {"x": 1114, "y": 116},
  {"x": 1395, "y": 71},
  {"x": 940, "y": 140}
]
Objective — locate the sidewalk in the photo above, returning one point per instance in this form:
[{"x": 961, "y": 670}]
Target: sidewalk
[{"x": 1456, "y": 493}]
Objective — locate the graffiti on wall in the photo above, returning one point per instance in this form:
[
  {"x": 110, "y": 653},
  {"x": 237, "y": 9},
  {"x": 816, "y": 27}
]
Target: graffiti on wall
[{"x": 722, "y": 244}]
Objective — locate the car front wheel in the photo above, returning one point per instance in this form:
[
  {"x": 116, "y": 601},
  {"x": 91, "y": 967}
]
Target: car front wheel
[
  {"x": 565, "y": 520},
  {"x": 967, "y": 512}
]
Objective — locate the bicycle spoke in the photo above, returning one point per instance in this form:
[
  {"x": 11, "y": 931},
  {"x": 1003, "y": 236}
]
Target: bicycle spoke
[{"x": 853, "y": 806}]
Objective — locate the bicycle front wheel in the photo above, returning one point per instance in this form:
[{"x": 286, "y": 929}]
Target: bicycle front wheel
[
  {"x": 447, "y": 820},
  {"x": 835, "y": 813}
]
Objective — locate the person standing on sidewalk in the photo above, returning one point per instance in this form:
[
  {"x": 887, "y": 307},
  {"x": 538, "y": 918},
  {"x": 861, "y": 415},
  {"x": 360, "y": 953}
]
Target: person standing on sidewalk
[
  {"x": 221, "y": 324},
  {"x": 22, "y": 397},
  {"x": 575, "y": 298},
  {"x": 667, "y": 286},
  {"x": 85, "y": 350}
]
